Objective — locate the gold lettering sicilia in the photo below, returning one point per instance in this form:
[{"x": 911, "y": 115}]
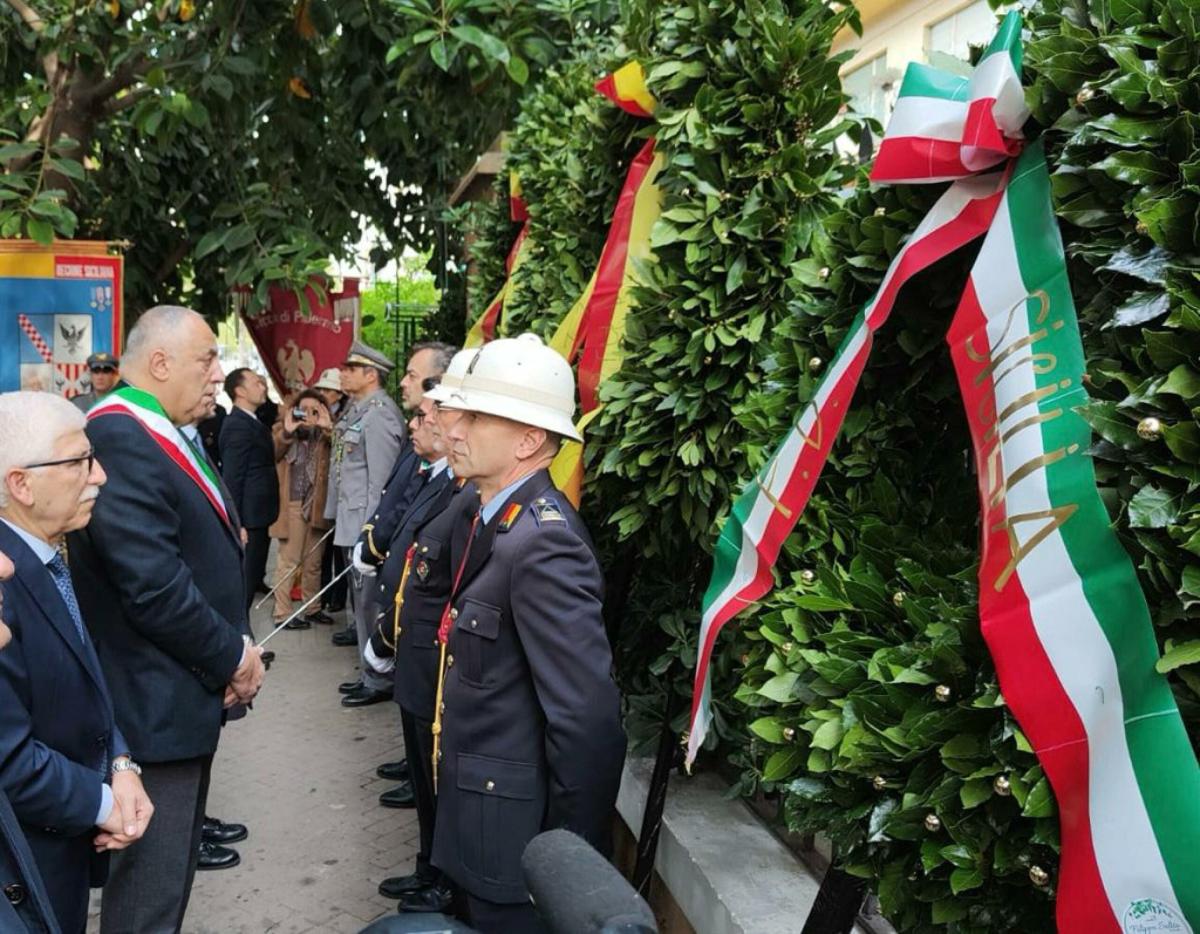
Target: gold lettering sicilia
[{"x": 1010, "y": 422}]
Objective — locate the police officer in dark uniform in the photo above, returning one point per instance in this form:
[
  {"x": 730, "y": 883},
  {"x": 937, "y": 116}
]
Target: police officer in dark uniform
[
  {"x": 414, "y": 588},
  {"x": 528, "y": 722}
]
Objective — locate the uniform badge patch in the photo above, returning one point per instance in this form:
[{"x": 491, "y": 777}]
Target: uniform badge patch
[
  {"x": 546, "y": 510},
  {"x": 509, "y": 517},
  {"x": 422, "y": 569}
]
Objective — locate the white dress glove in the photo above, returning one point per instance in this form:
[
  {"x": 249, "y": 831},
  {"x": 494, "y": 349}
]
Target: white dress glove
[
  {"x": 366, "y": 570},
  {"x": 382, "y": 665}
]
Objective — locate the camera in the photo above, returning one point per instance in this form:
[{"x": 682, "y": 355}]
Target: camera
[{"x": 298, "y": 414}]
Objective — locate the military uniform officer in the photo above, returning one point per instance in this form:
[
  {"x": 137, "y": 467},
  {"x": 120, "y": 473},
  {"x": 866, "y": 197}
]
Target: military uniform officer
[
  {"x": 415, "y": 584},
  {"x": 366, "y": 443},
  {"x": 427, "y": 364},
  {"x": 529, "y": 717},
  {"x": 105, "y": 370}
]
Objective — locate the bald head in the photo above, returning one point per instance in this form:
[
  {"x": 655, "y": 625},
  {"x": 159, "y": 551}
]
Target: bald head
[{"x": 171, "y": 353}]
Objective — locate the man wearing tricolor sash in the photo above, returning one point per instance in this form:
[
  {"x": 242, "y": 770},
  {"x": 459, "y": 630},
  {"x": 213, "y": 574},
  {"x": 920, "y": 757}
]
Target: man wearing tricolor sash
[{"x": 159, "y": 577}]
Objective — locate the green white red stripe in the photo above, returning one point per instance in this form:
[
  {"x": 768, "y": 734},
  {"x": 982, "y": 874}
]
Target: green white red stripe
[
  {"x": 145, "y": 410},
  {"x": 946, "y": 127},
  {"x": 767, "y": 511},
  {"x": 1060, "y": 604}
]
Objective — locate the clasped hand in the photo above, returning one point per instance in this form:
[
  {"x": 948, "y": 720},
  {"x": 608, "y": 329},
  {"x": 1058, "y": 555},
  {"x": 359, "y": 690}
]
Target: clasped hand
[
  {"x": 130, "y": 815},
  {"x": 248, "y": 678}
]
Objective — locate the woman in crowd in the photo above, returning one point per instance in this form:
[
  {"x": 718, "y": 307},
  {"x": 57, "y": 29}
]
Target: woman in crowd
[{"x": 302, "y": 453}]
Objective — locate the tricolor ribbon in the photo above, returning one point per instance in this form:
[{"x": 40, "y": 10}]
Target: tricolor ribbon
[
  {"x": 1060, "y": 606},
  {"x": 593, "y": 330}
]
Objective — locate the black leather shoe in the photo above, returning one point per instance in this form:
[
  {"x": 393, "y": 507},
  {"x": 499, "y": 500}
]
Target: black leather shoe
[
  {"x": 350, "y": 687},
  {"x": 345, "y": 637},
  {"x": 431, "y": 898},
  {"x": 365, "y": 697},
  {"x": 215, "y": 856},
  {"x": 399, "y": 797},
  {"x": 394, "y": 771},
  {"x": 300, "y": 622},
  {"x": 322, "y": 617},
  {"x": 396, "y": 886},
  {"x": 217, "y": 831}
]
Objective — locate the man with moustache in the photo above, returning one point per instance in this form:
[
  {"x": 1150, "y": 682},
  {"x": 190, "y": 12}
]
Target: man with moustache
[
  {"x": 415, "y": 584},
  {"x": 26, "y": 908},
  {"x": 528, "y": 728},
  {"x": 64, "y": 763},
  {"x": 159, "y": 575}
]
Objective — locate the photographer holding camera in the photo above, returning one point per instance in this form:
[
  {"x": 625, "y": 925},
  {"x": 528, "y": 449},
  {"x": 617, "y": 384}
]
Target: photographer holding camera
[{"x": 302, "y": 451}]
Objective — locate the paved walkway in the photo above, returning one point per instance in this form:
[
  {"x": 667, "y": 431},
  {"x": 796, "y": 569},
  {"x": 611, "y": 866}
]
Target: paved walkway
[{"x": 299, "y": 771}]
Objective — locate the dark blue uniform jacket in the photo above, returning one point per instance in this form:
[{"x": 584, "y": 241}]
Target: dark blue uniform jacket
[
  {"x": 532, "y": 736},
  {"x": 436, "y": 512}
]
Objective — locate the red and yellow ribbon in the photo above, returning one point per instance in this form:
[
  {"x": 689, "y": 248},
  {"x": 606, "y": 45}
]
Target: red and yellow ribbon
[{"x": 594, "y": 329}]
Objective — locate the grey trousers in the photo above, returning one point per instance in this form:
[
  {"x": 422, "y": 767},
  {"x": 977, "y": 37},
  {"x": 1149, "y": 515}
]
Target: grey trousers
[
  {"x": 363, "y": 598},
  {"x": 150, "y": 882}
]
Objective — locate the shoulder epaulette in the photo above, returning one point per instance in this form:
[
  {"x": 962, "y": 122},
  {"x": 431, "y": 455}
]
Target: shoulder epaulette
[{"x": 546, "y": 509}]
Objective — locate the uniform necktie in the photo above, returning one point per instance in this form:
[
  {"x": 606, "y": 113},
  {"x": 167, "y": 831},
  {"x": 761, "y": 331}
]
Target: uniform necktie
[{"x": 62, "y": 580}]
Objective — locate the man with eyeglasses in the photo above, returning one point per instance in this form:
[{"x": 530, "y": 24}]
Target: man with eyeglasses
[
  {"x": 64, "y": 763},
  {"x": 105, "y": 370}
]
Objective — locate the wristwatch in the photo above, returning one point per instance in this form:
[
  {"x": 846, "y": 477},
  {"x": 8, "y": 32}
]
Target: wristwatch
[{"x": 125, "y": 764}]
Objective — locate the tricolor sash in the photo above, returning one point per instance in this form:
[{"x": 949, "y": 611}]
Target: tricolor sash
[
  {"x": 1060, "y": 605},
  {"x": 145, "y": 410}
]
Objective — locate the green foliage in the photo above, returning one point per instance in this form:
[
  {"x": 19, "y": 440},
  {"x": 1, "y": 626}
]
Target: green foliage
[
  {"x": 247, "y": 143},
  {"x": 860, "y": 694},
  {"x": 397, "y": 313}
]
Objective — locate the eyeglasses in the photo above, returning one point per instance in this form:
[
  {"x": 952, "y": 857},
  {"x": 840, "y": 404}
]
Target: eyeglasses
[
  {"x": 90, "y": 457},
  {"x": 103, "y": 369}
]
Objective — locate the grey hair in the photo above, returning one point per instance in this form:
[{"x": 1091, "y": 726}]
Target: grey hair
[
  {"x": 30, "y": 425},
  {"x": 156, "y": 329},
  {"x": 442, "y": 354}
]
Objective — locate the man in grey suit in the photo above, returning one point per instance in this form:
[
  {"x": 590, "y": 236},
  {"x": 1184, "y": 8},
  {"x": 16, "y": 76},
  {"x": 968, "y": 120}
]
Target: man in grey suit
[{"x": 366, "y": 443}]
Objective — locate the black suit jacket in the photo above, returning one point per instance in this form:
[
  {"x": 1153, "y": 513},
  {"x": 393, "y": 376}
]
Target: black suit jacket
[
  {"x": 438, "y": 508},
  {"x": 401, "y": 487},
  {"x": 27, "y": 910},
  {"x": 531, "y": 731},
  {"x": 158, "y": 574},
  {"x": 58, "y": 734},
  {"x": 248, "y": 466}
]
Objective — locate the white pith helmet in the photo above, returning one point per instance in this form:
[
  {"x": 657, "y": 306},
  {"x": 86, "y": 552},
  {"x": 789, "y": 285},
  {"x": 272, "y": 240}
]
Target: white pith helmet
[
  {"x": 453, "y": 377},
  {"x": 522, "y": 379},
  {"x": 330, "y": 379}
]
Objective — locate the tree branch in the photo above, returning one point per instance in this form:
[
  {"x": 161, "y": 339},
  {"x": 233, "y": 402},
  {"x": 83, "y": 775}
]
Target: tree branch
[
  {"x": 125, "y": 101},
  {"x": 31, "y": 18},
  {"x": 123, "y": 77},
  {"x": 28, "y": 14}
]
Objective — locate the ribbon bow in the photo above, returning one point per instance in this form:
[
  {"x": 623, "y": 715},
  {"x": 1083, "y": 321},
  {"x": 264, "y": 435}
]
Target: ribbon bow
[{"x": 1060, "y": 605}]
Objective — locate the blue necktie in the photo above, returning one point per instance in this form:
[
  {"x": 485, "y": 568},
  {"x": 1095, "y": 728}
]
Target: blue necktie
[{"x": 62, "y": 580}]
